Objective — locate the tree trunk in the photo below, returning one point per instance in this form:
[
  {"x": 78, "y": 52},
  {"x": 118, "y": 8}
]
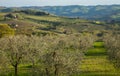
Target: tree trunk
[
  {"x": 56, "y": 70},
  {"x": 33, "y": 69},
  {"x": 47, "y": 72},
  {"x": 16, "y": 70}
]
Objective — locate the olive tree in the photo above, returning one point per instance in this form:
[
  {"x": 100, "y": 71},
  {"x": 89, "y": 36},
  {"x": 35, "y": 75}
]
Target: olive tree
[
  {"x": 112, "y": 43},
  {"x": 3, "y": 63},
  {"x": 56, "y": 55},
  {"x": 35, "y": 52},
  {"x": 64, "y": 54},
  {"x": 15, "y": 49}
]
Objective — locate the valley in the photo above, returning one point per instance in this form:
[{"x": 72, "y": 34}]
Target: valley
[{"x": 38, "y": 43}]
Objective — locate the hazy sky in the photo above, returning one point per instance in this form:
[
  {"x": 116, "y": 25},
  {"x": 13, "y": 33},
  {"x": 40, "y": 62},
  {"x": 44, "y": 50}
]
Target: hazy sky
[{"x": 18, "y": 3}]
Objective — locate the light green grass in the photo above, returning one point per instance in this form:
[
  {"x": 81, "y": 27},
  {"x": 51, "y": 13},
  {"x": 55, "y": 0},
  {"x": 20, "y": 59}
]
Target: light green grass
[
  {"x": 96, "y": 52},
  {"x": 95, "y": 62},
  {"x": 46, "y": 18},
  {"x": 56, "y": 19},
  {"x": 98, "y": 44}
]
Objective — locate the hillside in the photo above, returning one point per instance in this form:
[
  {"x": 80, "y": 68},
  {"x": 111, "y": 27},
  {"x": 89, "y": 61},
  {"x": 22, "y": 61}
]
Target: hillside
[
  {"x": 88, "y": 12},
  {"x": 39, "y": 43},
  {"x": 32, "y": 21},
  {"x": 46, "y": 24},
  {"x": 99, "y": 12}
]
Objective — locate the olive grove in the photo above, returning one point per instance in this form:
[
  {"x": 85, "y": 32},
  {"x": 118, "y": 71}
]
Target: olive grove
[{"x": 48, "y": 55}]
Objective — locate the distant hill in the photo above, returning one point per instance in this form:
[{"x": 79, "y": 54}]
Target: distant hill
[{"x": 99, "y": 12}]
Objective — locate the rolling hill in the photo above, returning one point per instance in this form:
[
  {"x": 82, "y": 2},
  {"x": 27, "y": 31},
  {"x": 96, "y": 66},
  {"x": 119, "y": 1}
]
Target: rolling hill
[
  {"x": 99, "y": 12},
  {"x": 44, "y": 23},
  {"x": 32, "y": 22}
]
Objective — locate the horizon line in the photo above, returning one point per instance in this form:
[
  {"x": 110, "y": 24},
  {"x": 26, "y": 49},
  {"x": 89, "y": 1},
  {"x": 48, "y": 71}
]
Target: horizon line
[{"x": 62, "y": 5}]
